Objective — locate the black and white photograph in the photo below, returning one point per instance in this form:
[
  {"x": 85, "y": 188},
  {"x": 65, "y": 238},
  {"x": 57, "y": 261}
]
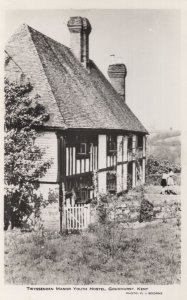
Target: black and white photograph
[{"x": 92, "y": 147}]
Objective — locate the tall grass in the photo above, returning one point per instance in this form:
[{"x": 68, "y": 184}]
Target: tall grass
[{"x": 150, "y": 255}]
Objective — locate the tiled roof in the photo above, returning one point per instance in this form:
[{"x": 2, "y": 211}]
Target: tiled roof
[{"x": 73, "y": 96}]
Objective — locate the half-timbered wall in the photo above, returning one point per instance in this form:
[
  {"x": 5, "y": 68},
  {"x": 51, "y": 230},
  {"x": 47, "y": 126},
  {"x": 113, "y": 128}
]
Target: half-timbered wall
[
  {"x": 134, "y": 144},
  {"x": 144, "y": 145},
  {"x": 111, "y": 150},
  {"x": 81, "y": 161},
  {"x": 121, "y": 163},
  {"x": 111, "y": 160},
  {"x": 88, "y": 153},
  {"x": 77, "y": 165},
  {"x": 143, "y": 171},
  {"x": 102, "y": 163},
  {"x": 124, "y": 159}
]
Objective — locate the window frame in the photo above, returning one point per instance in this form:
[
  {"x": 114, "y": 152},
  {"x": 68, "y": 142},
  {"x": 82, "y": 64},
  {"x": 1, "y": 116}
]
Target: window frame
[
  {"x": 140, "y": 141},
  {"x": 130, "y": 141},
  {"x": 111, "y": 140},
  {"x": 86, "y": 153},
  {"x": 111, "y": 182}
]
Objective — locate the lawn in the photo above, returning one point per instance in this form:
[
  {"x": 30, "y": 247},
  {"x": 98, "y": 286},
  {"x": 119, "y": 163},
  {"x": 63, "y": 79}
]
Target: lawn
[{"x": 148, "y": 255}]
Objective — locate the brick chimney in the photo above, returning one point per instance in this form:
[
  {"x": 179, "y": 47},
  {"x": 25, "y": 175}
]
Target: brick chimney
[
  {"x": 80, "y": 29},
  {"x": 117, "y": 74}
]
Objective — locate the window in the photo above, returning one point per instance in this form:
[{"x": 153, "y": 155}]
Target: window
[
  {"x": 82, "y": 142},
  {"x": 83, "y": 148},
  {"x": 111, "y": 182},
  {"x": 81, "y": 185},
  {"x": 140, "y": 141},
  {"x": 82, "y": 195},
  {"x": 129, "y": 175},
  {"x": 111, "y": 144},
  {"x": 129, "y": 142}
]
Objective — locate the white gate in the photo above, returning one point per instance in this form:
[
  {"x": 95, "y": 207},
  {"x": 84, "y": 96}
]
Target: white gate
[{"x": 77, "y": 217}]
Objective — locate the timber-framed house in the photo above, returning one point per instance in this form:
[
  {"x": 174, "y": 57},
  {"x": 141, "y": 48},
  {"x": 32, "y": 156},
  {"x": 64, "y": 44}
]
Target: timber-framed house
[{"x": 91, "y": 130}]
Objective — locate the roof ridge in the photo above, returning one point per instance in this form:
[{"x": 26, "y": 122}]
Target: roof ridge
[
  {"x": 118, "y": 97},
  {"x": 108, "y": 82},
  {"x": 75, "y": 97},
  {"x": 31, "y": 29},
  {"x": 46, "y": 36}
]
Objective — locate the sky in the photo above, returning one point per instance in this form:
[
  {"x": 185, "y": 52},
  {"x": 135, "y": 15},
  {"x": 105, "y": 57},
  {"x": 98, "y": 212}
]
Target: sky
[{"x": 147, "y": 41}]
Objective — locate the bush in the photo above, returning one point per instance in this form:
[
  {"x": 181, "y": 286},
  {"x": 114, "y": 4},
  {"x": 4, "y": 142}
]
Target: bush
[
  {"x": 146, "y": 211},
  {"x": 109, "y": 229},
  {"x": 155, "y": 179},
  {"x": 158, "y": 166}
]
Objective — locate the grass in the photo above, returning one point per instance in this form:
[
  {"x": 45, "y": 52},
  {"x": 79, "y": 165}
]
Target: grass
[{"x": 149, "y": 255}]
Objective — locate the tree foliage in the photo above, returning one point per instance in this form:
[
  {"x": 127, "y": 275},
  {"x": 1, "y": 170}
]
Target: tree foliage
[
  {"x": 24, "y": 163},
  {"x": 160, "y": 166}
]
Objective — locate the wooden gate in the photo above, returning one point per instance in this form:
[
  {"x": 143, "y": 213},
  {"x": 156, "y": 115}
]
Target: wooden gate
[{"x": 77, "y": 217}]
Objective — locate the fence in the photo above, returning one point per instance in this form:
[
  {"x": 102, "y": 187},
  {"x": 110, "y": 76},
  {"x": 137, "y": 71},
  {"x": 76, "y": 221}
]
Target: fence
[{"x": 77, "y": 217}]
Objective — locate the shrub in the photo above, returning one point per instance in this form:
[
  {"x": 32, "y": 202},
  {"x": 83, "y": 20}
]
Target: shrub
[
  {"x": 146, "y": 211},
  {"x": 129, "y": 181},
  {"x": 158, "y": 166},
  {"x": 109, "y": 228}
]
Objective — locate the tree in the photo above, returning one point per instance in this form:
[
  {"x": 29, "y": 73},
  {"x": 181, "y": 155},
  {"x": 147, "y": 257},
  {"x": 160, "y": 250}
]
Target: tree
[
  {"x": 158, "y": 166},
  {"x": 24, "y": 163}
]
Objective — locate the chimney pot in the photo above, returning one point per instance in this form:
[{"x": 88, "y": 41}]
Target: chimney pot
[
  {"x": 117, "y": 74},
  {"x": 80, "y": 29}
]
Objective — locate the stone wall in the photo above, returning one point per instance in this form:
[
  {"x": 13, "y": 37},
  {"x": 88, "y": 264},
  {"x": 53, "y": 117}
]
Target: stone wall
[
  {"x": 128, "y": 208},
  {"x": 154, "y": 207}
]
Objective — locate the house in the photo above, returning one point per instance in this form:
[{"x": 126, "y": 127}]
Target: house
[{"x": 91, "y": 133}]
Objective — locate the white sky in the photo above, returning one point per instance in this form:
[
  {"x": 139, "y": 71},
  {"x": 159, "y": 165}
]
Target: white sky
[{"x": 148, "y": 42}]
